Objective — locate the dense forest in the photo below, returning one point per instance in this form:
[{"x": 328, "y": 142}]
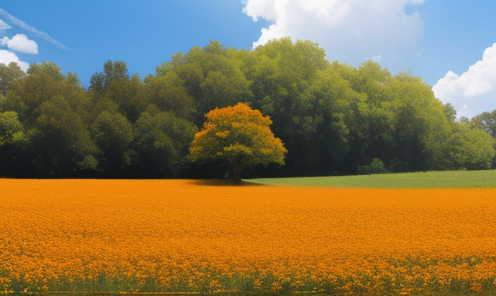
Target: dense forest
[{"x": 333, "y": 119}]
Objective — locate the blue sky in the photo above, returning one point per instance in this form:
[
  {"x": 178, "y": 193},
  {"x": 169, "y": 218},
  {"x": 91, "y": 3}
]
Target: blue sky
[{"x": 451, "y": 44}]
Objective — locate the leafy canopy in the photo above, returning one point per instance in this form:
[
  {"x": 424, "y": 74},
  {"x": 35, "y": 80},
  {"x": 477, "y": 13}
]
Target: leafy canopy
[{"x": 240, "y": 135}]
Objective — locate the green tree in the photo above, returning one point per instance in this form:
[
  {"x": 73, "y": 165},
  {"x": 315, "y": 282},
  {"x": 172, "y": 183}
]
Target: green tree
[
  {"x": 8, "y": 75},
  {"x": 169, "y": 94},
  {"x": 450, "y": 112},
  {"x": 161, "y": 142},
  {"x": 11, "y": 129},
  {"x": 12, "y": 141},
  {"x": 281, "y": 75},
  {"x": 127, "y": 94},
  {"x": 467, "y": 149},
  {"x": 240, "y": 135},
  {"x": 332, "y": 121},
  {"x": 52, "y": 109},
  {"x": 111, "y": 70},
  {"x": 43, "y": 83},
  {"x": 211, "y": 77},
  {"x": 49, "y": 68},
  {"x": 61, "y": 145},
  {"x": 177, "y": 59},
  {"x": 113, "y": 134},
  {"x": 114, "y": 70},
  {"x": 485, "y": 121}
]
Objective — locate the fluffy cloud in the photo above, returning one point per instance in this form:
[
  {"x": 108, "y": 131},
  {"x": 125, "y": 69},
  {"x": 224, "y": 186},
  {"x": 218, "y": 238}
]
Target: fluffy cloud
[
  {"x": 474, "y": 91},
  {"x": 351, "y": 31},
  {"x": 21, "y": 43},
  {"x": 6, "y": 57}
]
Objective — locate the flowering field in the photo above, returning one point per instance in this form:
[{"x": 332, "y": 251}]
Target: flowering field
[{"x": 184, "y": 235}]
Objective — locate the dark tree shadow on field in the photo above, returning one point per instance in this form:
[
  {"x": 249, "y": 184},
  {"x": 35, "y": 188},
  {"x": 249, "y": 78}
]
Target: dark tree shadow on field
[{"x": 222, "y": 182}]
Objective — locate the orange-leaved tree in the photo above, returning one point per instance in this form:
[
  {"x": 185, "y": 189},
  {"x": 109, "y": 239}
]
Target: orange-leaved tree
[{"x": 240, "y": 135}]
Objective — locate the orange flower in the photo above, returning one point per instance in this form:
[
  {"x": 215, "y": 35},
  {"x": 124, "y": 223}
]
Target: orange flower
[{"x": 179, "y": 235}]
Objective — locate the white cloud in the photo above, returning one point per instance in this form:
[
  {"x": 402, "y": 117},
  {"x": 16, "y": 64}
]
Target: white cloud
[
  {"x": 474, "y": 91},
  {"x": 4, "y": 26},
  {"x": 17, "y": 22},
  {"x": 350, "y": 31},
  {"x": 21, "y": 43},
  {"x": 6, "y": 57}
]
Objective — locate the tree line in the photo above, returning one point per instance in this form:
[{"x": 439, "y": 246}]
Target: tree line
[{"x": 333, "y": 119}]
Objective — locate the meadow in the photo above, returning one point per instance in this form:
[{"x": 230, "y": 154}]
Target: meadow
[
  {"x": 439, "y": 179},
  {"x": 196, "y": 236}
]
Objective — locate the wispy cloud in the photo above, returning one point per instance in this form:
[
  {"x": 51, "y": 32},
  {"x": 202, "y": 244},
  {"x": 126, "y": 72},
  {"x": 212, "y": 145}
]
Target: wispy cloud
[
  {"x": 17, "y": 22},
  {"x": 4, "y": 26}
]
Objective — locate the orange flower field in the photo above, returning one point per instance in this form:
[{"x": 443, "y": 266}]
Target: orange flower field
[{"x": 192, "y": 236}]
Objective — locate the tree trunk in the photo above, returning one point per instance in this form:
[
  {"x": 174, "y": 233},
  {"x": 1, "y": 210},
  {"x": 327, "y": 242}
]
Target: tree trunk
[{"x": 237, "y": 170}]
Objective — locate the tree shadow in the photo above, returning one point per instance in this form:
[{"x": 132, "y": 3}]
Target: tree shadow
[{"x": 222, "y": 182}]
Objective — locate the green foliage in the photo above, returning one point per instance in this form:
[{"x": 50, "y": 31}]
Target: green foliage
[
  {"x": 8, "y": 75},
  {"x": 127, "y": 94},
  {"x": 60, "y": 141},
  {"x": 467, "y": 149},
  {"x": 11, "y": 130},
  {"x": 111, "y": 71},
  {"x": 161, "y": 141},
  {"x": 42, "y": 84},
  {"x": 333, "y": 118},
  {"x": 113, "y": 134},
  {"x": 168, "y": 93},
  {"x": 375, "y": 167},
  {"x": 450, "y": 112},
  {"x": 12, "y": 142},
  {"x": 48, "y": 68},
  {"x": 485, "y": 121}
]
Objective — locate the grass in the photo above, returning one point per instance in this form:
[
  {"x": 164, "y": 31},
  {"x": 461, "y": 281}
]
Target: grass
[{"x": 446, "y": 179}]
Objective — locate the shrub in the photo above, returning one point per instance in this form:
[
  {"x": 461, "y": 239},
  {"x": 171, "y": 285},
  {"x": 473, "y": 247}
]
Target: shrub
[{"x": 377, "y": 166}]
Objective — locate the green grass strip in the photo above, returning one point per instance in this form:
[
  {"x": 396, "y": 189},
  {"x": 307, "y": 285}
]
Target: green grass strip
[{"x": 445, "y": 179}]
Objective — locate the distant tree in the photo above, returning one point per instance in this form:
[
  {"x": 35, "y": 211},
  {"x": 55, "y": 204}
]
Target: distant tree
[
  {"x": 485, "y": 121},
  {"x": 177, "y": 59},
  {"x": 111, "y": 70},
  {"x": 96, "y": 83},
  {"x": 113, "y": 134},
  {"x": 44, "y": 82},
  {"x": 8, "y": 75},
  {"x": 168, "y": 94},
  {"x": 467, "y": 149},
  {"x": 161, "y": 143},
  {"x": 211, "y": 77},
  {"x": 11, "y": 130},
  {"x": 49, "y": 68},
  {"x": 114, "y": 70},
  {"x": 240, "y": 135},
  {"x": 127, "y": 94},
  {"x": 61, "y": 145},
  {"x": 283, "y": 77},
  {"x": 12, "y": 140},
  {"x": 450, "y": 112}
]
